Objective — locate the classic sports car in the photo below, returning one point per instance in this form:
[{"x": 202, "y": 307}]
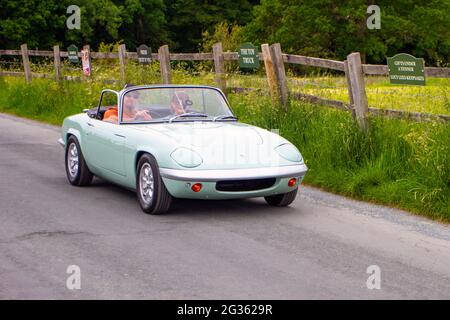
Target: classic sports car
[{"x": 166, "y": 141}]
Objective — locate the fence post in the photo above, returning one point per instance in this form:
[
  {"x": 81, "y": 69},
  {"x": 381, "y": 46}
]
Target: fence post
[
  {"x": 281, "y": 74},
  {"x": 26, "y": 62},
  {"x": 57, "y": 62},
  {"x": 270, "y": 71},
  {"x": 349, "y": 88},
  {"x": 219, "y": 66},
  {"x": 358, "y": 89},
  {"x": 164, "y": 63},
  {"x": 122, "y": 56}
]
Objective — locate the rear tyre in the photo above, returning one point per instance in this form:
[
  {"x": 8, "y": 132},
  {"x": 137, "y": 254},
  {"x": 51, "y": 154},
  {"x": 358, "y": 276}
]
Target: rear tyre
[
  {"x": 151, "y": 191},
  {"x": 282, "y": 200},
  {"x": 77, "y": 170}
]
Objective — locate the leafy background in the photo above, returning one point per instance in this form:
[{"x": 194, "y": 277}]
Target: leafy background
[{"x": 320, "y": 28}]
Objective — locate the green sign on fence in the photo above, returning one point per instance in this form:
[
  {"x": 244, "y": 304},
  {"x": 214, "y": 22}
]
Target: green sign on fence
[
  {"x": 144, "y": 54},
  {"x": 72, "y": 52},
  {"x": 248, "y": 56},
  {"x": 406, "y": 69}
]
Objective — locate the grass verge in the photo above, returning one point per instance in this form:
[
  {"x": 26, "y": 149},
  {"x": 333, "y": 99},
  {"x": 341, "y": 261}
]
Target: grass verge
[{"x": 398, "y": 163}]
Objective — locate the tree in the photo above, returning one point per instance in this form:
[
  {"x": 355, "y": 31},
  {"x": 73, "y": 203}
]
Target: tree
[
  {"x": 319, "y": 28},
  {"x": 229, "y": 35},
  {"x": 331, "y": 29},
  {"x": 33, "y": 22},
  {"x": 133, "y": 21},
  {"x": 42, "y": 24},
  {"x": 188, "y": 19},
  {"x": 144, "y": 22}
]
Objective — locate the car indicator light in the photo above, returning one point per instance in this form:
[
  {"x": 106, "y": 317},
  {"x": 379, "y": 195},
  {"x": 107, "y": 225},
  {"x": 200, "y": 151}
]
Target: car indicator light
[
  {"x": 196, "y": 187},
  {"x": 292, "y": 182}
]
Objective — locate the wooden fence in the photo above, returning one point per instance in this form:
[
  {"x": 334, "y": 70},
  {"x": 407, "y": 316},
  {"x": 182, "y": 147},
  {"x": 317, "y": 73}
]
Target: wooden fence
[{"x": 274, "y": 63}]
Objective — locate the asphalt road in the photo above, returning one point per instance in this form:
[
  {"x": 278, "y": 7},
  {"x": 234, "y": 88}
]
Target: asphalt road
[{"x": 320, "y": 247}]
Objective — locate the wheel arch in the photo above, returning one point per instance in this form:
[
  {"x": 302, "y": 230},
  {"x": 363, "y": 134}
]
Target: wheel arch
[
  {"x": 138, "y": 156},
  {"x": 163, "y": 198},
  {"x": 75, "y": 133}
]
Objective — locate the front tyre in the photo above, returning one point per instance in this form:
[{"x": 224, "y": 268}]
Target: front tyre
[
  {"x": 282, "y": 200},
  {"x": 151, "y": 191},
  {"x": 77, "y": 171}
]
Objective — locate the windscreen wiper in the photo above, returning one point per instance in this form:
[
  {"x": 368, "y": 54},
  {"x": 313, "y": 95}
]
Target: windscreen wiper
[
  {"x": 224, "y": 117},
  {"x": 187, "y": 115}
]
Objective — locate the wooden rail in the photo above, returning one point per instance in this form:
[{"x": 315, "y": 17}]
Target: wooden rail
[
  {"x": 326, "y": 102},
  {"x": 314, "y": 62},
  {"x": 416, "y": 116},
  {"x": 382, "y": 70}
]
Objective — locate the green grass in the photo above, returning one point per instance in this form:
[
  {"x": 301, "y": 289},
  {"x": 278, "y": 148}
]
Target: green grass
[
  {"x": 398, "y": 163},
  {"x": 432, "y": 98},
  {"x": 45, "y": 100}
]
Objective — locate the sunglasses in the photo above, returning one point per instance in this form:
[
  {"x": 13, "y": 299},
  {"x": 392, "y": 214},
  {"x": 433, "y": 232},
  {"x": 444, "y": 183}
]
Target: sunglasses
[{"x": 183, "y": 99}]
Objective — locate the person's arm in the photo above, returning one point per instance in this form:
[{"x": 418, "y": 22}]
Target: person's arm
[
  {"x": 111, "y": 115},
  {"x": 144, "y": 114},
  {"x": 112, "y": 119}
]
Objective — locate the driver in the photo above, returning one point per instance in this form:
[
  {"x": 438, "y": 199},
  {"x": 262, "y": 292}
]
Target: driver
[
  {"x": 130, "y": 110},
  {"x": 180, "y": 103}
]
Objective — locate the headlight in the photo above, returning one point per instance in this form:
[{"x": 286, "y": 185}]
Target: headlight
[
  {"x": 186, "y": 157},
  {"x": 289, "y": 152}
]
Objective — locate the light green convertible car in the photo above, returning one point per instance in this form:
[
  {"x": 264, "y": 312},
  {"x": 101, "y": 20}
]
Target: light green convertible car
[{"x": 168, "y": 141}]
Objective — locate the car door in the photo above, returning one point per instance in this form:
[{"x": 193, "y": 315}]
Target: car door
[{"x": 105, "y": 141}]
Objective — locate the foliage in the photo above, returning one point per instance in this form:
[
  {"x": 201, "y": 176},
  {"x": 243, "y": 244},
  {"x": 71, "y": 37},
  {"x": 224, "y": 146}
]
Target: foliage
[
  {"x": 230, "y": 35},
  {"x": 187, "y": 19},
  {"x": 42, "y": 24},
  {"x": 333, "y": 29},
  {"x": 33, "y": 22},
  {"x": 320, "y": 28}
]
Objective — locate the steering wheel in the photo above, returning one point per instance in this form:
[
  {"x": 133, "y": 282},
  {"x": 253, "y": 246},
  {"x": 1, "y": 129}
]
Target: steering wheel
[{"x": 155, "y": 113}]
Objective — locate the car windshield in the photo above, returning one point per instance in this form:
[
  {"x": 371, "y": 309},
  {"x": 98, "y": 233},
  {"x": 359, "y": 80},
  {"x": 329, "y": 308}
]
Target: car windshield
[{"x": 173, "y": 104}]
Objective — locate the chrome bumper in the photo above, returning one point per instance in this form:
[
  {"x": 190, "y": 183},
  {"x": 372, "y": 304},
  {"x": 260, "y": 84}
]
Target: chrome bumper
[
  {"x": 234, "y": 174},
  {"x": 62, "y": 143}
]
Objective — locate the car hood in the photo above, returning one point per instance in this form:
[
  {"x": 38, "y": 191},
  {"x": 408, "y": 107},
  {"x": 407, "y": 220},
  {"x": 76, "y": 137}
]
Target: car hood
[{"x": 222, "y": 145}]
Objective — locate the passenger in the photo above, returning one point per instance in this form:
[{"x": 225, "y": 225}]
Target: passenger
[{"x": 180, "y": 103}]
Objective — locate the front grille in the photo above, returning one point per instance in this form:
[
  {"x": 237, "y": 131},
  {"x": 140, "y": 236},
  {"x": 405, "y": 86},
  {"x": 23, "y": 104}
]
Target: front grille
[{"x": 245, "y": 185}]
